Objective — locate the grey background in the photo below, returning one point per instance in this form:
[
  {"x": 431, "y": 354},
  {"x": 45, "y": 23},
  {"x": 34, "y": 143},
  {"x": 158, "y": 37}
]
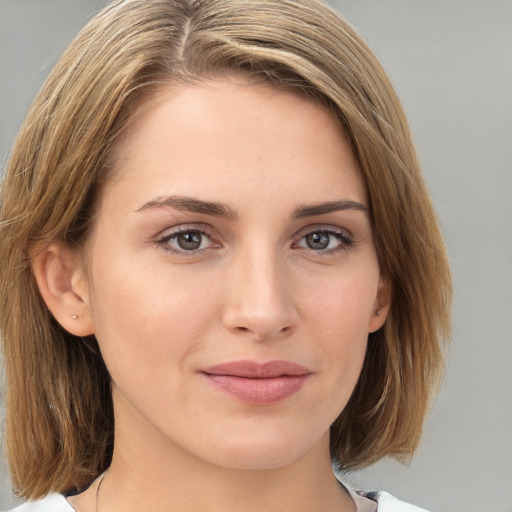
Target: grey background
[{"x": 451, "y": 61}]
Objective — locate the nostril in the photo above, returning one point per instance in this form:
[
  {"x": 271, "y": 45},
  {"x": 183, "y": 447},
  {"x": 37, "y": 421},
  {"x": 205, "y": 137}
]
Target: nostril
[
  {"x": 264, "y": 335},
  {"x": 264, "y": 320}
]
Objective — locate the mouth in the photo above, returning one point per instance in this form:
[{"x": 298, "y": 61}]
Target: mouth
[{"x": 258, "y": 383}]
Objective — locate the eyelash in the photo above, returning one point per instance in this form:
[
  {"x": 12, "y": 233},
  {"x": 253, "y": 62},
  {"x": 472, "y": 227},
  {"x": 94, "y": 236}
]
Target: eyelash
[
  {"x": 345, "y": 240},
  {"x": 343, "y": 237},
  {"x": 164, "y": 240}
]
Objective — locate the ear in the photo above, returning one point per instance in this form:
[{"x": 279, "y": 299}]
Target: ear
[
  {"x": 381, "y": 305},
  {"x": 61, "y": 281}
]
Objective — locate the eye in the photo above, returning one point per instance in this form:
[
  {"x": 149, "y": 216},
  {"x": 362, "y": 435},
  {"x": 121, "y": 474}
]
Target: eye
[
  {"x": 325, "y": 240},
  {"x": 186, "y": 240}
]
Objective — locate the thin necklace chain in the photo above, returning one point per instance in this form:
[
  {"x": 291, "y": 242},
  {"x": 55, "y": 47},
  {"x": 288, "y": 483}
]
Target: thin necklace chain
[{"x": 98, "y": 490}]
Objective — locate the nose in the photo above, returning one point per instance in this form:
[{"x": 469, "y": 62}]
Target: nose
[{"x": 260, "y": 298}]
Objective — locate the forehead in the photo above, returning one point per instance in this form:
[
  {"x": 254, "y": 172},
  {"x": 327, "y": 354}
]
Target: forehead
[{"x": 224, "y": 137}]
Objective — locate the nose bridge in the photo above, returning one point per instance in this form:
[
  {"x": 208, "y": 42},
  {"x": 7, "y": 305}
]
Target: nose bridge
[{"x": 259, "y": 298}]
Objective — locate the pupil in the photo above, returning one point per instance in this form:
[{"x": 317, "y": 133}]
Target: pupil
[
  {"x": 317, "y": 240},
  {"x": 190, "y": 240}
]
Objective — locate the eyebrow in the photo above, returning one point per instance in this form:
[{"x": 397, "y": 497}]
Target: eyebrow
[
  {"x": 190, "y": 204},
  {"x": 328, "y": 207}
]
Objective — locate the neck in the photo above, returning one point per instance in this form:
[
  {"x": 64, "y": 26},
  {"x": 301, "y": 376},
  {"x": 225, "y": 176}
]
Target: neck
[
  {"x": 182, "y": 482},
  {"x": 150, "y": 472}
]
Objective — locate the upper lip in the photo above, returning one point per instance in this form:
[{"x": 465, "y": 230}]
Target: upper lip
[{"x": 257, "y": 370}]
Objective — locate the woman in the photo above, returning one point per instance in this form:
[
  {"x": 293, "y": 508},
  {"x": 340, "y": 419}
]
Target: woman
[{"x": 216, "y": 218}]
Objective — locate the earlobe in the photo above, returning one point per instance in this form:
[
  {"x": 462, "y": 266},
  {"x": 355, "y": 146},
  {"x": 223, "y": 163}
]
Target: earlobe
[
  {"x": 381, "y": 306},
  {"x": 62, "y": 284}
]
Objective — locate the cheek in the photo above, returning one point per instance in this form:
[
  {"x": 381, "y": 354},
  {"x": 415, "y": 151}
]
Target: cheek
[
  {"x": 343, "y": 301},
  {"x": 152, "y": 322},
  {"x": 338, "y": 316}
]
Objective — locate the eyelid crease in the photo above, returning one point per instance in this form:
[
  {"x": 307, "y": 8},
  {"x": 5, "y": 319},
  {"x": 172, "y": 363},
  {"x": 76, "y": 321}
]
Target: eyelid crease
[
  {"x": 323, "y": 228},
  {"x": 163, "y": 239},
  {"x": 346, "y": 240}
]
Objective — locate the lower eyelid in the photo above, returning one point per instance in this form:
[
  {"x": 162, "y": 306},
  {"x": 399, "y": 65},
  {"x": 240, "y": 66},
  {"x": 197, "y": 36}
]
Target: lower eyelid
[
  {"x": 344, "y": 242},
  {"x": 165, "y": 239}
]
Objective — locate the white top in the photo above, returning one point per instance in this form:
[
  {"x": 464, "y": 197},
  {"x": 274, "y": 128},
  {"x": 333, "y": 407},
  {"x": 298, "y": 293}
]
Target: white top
[{"x": 365, "y": 501}]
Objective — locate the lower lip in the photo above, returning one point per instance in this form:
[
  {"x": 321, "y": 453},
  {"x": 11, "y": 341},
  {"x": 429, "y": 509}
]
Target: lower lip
[{"x": 258, "y": 391}]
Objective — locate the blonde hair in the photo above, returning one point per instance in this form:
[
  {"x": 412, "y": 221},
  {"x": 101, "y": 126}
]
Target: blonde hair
[{"x": 59, "y": 420}]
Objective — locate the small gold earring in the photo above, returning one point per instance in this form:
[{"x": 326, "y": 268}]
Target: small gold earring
[{"x": 74, "y": 317}]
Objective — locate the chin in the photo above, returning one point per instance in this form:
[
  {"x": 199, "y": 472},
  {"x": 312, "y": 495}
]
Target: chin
[{"x": 263, "y": 454}]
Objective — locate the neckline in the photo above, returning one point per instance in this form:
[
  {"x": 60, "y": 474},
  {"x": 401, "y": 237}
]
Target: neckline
[{"x": 362, "y": 503}]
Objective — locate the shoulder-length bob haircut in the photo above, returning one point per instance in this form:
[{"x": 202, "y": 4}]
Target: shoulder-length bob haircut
[{"x": 59, "y": 423}]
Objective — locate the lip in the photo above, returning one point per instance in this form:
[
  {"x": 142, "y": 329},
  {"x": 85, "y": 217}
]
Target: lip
[{"x": 258, "y": 383}]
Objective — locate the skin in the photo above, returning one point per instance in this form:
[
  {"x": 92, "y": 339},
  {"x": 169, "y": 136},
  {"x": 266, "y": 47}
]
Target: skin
[{"x": 254, "y": 289}]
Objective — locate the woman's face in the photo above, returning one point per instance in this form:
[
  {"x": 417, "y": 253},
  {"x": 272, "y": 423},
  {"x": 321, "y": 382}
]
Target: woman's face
[{"x": 232, "y": 278}]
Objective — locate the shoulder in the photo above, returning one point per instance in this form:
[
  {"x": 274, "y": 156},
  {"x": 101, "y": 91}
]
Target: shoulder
[
  {"x": 51, "y": 503},
  {"x": 387, "y": 503},
  {"x": 378, "y": 501}
]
